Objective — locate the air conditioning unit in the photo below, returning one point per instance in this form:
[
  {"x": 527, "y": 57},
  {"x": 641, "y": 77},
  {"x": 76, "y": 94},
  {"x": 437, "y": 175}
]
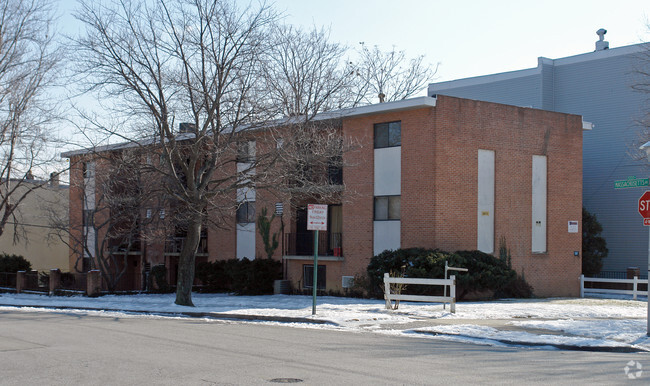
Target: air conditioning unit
[{"x": 347, "y": 281}]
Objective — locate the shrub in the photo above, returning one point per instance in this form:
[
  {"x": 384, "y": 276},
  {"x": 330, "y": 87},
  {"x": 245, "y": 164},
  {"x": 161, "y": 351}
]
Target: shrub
[
  {"x": 485, "y": 272},
  {"x": 594, "y": 246},
  {"x": 14, "y": 263},
  {"x": 157, "y": 280},
  {"x": 214, "y": 276},
  {"x": 243, "y": 277}
]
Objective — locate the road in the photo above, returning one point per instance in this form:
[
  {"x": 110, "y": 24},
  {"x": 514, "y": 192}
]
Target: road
[{"x": 38, "y": 348}]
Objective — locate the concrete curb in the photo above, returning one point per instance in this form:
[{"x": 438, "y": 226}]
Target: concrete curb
[
  {"x": 615, "y": 349},
  {"x": 190, "y": 314}
]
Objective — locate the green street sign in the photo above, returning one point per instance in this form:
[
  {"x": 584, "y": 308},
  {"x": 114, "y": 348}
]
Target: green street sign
[{"x": 631, "y": 182}]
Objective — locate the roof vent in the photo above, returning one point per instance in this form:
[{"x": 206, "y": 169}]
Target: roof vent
[{"x": 601, "y": 44}]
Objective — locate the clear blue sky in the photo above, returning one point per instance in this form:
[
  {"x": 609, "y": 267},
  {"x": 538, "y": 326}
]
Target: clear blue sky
[
  {"x": 467, "y": 37},
  {"x": 472, "y": 38}
]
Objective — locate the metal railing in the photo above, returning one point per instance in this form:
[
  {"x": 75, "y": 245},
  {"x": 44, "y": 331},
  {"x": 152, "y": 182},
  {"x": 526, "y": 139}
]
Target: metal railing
[
  {"x": 73, "y": 282},
  {"x": 36, "y": 283},
  {"x": 302, "y": 244},
  {"x": 174, "y": 245},
  {"x": 8, "y": 280}
]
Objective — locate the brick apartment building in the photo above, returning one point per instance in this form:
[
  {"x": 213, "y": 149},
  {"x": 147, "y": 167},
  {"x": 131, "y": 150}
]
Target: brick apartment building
[{"x": 445, "y": 172}]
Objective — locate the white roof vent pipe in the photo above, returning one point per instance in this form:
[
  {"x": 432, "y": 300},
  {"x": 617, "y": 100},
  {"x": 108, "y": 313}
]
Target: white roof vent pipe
[{"x": 601, "y": 44}]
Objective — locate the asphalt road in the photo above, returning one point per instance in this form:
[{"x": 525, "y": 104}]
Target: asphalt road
[{"x": 49, "y": 348}]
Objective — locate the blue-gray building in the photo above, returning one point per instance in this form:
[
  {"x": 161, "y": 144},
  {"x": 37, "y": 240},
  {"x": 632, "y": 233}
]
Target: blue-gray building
[{"x": 598, "y": 86}]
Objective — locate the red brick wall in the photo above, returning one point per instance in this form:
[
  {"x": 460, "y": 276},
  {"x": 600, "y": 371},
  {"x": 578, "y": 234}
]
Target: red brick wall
[
  {"x": 439, "y": 185},
  {"x": 439, "y": 189}
]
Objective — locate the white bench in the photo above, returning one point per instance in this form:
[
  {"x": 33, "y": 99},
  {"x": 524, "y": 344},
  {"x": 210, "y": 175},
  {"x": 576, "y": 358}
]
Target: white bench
[{"x": 451, "y": 282}]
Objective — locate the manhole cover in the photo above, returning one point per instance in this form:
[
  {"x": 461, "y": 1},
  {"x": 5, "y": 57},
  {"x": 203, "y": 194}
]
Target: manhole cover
[{"x": 286, "y": 380}]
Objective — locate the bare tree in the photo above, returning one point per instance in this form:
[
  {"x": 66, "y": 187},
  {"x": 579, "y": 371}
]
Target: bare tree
[
  {"x": 389, "y": 75},
  {"x": 305, "y": 73},
  {"x": 200, "y": 80},
  {"x": 27, "y": 62},
  {"x": 115, "y": 188},
  {"x": 196, "y": 62}
]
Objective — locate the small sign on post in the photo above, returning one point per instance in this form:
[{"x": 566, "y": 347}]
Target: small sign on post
[
  {"x": 316, "y": 217},
  {"x": 644, "y": 211},
  {"x": 316, "y": 221}
]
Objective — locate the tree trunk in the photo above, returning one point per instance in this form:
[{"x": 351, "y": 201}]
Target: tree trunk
[{"x": 186, "y": 264}]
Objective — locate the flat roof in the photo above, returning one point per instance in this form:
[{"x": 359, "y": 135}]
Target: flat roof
[
  {"x": 501, "y": 76},
  {"x": 401, "y": 105}
]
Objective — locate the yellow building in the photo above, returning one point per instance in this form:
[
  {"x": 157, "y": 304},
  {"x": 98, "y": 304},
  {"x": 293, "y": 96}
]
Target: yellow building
[{"x": 32, "y": 226}]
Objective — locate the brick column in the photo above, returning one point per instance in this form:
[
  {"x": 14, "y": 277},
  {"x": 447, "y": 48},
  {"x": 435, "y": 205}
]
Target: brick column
[
  {"x": 21, "y": 281},
  {"x": 93, "y": 283},
  {"x": 55, "y": 280}
]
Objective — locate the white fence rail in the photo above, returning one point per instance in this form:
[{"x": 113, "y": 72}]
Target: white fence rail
[
  {"x": 634, "y": 291},
  {"x": 451, "y": 282}
]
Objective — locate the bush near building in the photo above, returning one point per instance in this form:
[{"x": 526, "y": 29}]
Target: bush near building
[
  {"x": 243, "y": 277},
  {"x": 486, "y": 274},
  {"x": 594, "y": 246},
  {"x": 14, "y": 263}
]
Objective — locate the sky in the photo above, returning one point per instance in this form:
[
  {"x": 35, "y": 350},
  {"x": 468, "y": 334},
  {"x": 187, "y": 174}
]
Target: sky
[
  {"x": 470, "y": 38},
  {"x": 466, "y": 37}
]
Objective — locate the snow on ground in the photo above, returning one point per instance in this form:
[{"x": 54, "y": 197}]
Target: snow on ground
[{"x": 577, "y": 322}]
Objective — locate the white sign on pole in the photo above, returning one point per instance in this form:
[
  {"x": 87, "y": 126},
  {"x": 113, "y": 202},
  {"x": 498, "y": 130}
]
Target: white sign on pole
[{"x": 316, "y": 217}]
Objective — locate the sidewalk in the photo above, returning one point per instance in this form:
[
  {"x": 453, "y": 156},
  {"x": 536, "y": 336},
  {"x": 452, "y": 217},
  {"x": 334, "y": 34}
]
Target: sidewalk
[{"x": 569, "y": 324}]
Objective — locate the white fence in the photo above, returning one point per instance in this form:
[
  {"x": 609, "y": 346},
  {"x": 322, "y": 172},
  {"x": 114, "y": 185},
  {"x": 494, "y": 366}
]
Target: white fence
[
  {"x": 634, "y": 291},
  {"x": 451, "y": 282}
]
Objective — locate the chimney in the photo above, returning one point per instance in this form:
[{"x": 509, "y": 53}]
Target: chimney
[
  {"x": 601, "y": 44},
  {"x": 54, "y": 180}
]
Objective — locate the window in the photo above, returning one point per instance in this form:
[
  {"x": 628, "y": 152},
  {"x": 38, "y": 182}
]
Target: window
[
  {"x": 246, "y": 151},
  {"x": 88, "y": 169},
  {"x": 387, "y": 208},
  {"x": 308, "y": 277},
  {"x": 88, "y": 215},
  {"x": 335, "y": 171},
  {"x": 388, "y": 134},
  {"x": 246, "y": 212}
]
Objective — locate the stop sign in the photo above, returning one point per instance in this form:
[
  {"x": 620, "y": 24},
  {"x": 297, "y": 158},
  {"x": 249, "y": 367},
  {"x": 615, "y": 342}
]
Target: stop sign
[{"x": 644, "y": 205}]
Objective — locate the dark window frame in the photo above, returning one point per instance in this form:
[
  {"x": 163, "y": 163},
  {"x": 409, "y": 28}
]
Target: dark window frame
[
  {"x": 88, "y": 217},
  {"x": 246, "y": 151},
  {"x": 390, "y": 215},
  {"x": 308, "y": 274},
  {"x": 387, "y": 134},
  {"x": 245, "y": 212}
]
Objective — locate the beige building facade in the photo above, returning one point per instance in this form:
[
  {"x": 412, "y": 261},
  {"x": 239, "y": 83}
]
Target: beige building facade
[{"x": 30, "y": 235}]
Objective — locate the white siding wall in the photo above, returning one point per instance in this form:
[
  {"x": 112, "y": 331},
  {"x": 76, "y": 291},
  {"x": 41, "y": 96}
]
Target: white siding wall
[
  {"x": 485, "y": 216},
  {"x": 246, "y": 240},
  {"x": 89, "y": 186},
  {"x": 90, "y": 242},
  {"x": 89, "y": 204},
  {"x": 388, "y": 182},
  {"x": 386, "y": 236},
  {"x": 246, "y": 232},
  {"x": 388, "y": 171},
  {"x": 539, "y": 204}
]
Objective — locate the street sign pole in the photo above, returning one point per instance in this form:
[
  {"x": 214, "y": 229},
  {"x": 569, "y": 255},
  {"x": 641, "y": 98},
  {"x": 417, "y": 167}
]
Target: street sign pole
[
  {"x": 315, "y": 282},
  {"x": 316, "y": 221},
  {"x": 644, "y": 211}
]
